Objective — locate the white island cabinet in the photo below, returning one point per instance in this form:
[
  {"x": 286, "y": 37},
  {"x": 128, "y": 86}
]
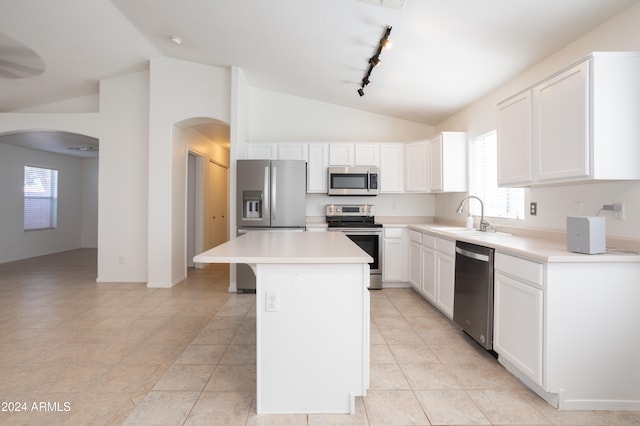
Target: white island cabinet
[{"x": 312, "y": 318}]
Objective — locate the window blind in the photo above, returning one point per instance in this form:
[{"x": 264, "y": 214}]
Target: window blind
[
  {"x": 483, "y": 181},
  {"x": 40, "y": 198}
]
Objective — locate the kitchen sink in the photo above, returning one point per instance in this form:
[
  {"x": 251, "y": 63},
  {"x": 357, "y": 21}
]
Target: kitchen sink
[{"x": 457, "y": 230}]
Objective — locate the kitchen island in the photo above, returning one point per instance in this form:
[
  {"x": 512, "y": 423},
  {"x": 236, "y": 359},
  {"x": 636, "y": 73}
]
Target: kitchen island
[{"x": 312, "y": 318}]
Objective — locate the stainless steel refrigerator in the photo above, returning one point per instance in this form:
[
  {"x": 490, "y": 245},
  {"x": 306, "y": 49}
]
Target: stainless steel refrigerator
[{"x": 271, "y": 196}]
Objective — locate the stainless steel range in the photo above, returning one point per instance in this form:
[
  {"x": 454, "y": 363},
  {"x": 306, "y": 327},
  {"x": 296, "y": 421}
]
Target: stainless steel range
[{"x": 357, "y": 221}]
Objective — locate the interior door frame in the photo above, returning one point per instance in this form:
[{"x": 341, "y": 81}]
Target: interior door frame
[{"x": 198, "y": 214}]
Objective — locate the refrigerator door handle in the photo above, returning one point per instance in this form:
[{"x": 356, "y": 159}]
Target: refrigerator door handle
[
  {"x": 274, "y": 193},
  {"x": 265, "y": 197}
]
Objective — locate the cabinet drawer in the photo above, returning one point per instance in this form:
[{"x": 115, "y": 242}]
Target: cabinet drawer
[
  {"x": 429, "y": 241},
  {"x": 447, "y": 247},
  {"x": 522, "y": 269},
  {"x": 415, "y": 236},
  {"x": 393, "y": 232}
]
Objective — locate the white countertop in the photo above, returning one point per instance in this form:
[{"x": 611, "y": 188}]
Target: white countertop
[
  {"x": 286, "y": 247},
  {"x": 536, "y": 249}
]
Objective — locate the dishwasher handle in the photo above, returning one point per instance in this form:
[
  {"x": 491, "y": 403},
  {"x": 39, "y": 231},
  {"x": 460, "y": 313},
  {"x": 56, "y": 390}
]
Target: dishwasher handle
[{"x": 472, "y": 255}]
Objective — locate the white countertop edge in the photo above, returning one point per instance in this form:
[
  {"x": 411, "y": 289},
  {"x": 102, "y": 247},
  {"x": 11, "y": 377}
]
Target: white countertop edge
[
  {"x": 540, "y": 250},
  {"x": 283, "y": 260},
  {"x": 263, "y": 247}
]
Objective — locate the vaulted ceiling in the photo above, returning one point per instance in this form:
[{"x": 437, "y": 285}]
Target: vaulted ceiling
[{"x": 445, "y": 54}]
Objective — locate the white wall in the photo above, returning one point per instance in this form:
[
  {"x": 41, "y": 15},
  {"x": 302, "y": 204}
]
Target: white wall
[
  {"x": 178, "y": 91},
  {"x": 281, "y": 117},
  {"x": 123, "y": 174},
  {"x": 15, "y": 243},
  {"x": 555, "y": 203}
]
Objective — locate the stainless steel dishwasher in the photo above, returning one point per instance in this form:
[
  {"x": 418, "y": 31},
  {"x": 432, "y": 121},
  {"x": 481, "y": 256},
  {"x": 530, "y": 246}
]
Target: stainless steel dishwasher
[{"x": 473, "y": 293}]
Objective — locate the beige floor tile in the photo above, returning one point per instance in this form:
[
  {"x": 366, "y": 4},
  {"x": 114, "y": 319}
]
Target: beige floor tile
[
  {"x": 239, "y": 355},
  {"x": 419, "y": 353},
  {"x": 163, "y": 408},
  {"x": 233, "y": 378},
  {"x": 201, "y": 354},
  {"x": 381, "y": 354},
  {"x": 221, "y": 408},
  {"x": 490, "y": 376},
  {"x": 387, "y": 376},
  {"x": 429, "y": 376},
  {"x": 357, "y": 418},
  {"x": 394, "y": 408},
  {"x": 506, "y": 407},
  {"x": 450, "y": 407},
  {"x": 181, "y": 377}
]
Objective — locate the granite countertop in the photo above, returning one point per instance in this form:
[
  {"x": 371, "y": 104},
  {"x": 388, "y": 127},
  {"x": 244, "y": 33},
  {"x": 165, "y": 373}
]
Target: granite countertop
[{"x": 286, "y": 247}]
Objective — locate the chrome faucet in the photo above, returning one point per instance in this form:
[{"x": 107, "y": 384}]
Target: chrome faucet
[{"x": 484, "y": 225}]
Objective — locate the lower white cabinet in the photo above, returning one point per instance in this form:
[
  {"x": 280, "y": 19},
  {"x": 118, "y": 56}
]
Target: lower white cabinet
[
  {"x": 431, "y": 269},
  {"x": 429, "y": 274},
  {"x": 393, "y": 255},
  {"x": 518, "y": 315},
  {"x": 415, "y": 259},
  {"x": 445, "y": 271}
]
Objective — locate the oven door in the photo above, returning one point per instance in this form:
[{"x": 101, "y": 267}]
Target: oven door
[{"x": 369, "y": 240}]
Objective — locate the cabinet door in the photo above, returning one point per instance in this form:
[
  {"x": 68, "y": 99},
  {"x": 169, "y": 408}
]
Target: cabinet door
[
  {"x": 517, "y": 335},
  {"x": 391, "y": 167},
  {"x": 561, "y": 132},
  {"x": 292, "y": 151},
  {"x": 435, "y": 154},
  {"x": 367, "y": 154},
  {"x": 515, "y": 140},
  {"x": 317, "y": 168},
  {"x": 415, "y": 265},
  {"x": 429, "y": 274},
  {"x": 341, "y": 154},
  {"x": 445, "y": 285},
  {"x": 417, "y": 168},
  {"x": 392, "y": 260},
  {"x": 262, "y": 151}
]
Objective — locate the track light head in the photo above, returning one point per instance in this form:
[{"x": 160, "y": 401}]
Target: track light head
[
  {"x": 375, "y": 60},
  {"x": 360, "y": 92},
  {"x": 365, "y": 81}
]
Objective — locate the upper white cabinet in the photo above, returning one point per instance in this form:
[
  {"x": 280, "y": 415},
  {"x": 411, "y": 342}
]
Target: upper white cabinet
[
  {"x": 367, "y": 154},
  {"x": 561, "y": 108},
  {"x": 448, "y": 155},
  {"x": 583, "y": 123},
  {"x": 417, "y": 166},
  {"x": 341, "y": 154},
  {"x": 391, "y": 167},
  {"x": 292, "y": 151},
  {"x": 262, "y": 151},
  {"x": 515, "y": 140},
  {"x": 317, "y": 168}
]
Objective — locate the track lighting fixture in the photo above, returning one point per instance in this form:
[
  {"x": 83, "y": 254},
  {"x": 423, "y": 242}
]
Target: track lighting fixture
[{"x": 375, "y": 59}]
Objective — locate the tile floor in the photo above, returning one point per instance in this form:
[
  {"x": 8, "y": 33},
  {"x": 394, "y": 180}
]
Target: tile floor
[{"x": 75, "y": 352}]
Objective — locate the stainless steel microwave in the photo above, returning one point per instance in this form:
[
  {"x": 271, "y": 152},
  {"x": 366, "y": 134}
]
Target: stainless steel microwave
[{"x": 353, "y": 181}]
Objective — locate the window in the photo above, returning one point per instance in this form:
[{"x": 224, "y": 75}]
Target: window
[
  {"x": 40, "y": 198},
  {"x": 483, "y": 181}
]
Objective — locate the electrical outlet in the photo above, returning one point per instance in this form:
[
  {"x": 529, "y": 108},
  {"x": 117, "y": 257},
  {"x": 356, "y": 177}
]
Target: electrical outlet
[
  {"x": 533, "y": 208},
  {"x": 616, "y": 209},
  {"x": 272, "y": 302}
]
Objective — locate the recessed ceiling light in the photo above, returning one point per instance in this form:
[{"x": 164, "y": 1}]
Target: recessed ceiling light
[{"x": 176, "y": 39}]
